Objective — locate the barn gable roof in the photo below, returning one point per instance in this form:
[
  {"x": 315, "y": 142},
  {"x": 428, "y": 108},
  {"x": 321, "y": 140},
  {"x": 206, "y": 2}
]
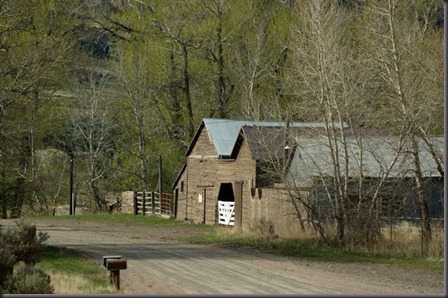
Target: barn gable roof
[
  {"x": 224, "y": 133},
  {"x": 268, "y": 142}
]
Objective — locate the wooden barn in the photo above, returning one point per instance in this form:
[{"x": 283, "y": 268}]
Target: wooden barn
[
  {"x": 222, "y": 181},
  {"x": 385, "y": 165},
  {"x": 233, "y": 172}
]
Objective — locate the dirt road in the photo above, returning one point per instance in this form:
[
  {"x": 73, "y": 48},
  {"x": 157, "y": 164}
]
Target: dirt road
[{"x": 159, "y": 264}]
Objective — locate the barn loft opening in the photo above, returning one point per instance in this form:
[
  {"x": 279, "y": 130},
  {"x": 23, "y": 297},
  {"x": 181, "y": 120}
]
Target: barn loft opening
[{"x": 226, "y": 193}]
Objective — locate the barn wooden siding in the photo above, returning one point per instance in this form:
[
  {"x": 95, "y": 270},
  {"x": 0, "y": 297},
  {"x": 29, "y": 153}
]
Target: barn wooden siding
[
  {"x": 273, "y": 207},
  {"x": 203, "y": 174}
]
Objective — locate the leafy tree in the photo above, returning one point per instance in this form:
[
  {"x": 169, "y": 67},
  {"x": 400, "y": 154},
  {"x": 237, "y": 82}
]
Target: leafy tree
[{"x": 34, "y": 41}]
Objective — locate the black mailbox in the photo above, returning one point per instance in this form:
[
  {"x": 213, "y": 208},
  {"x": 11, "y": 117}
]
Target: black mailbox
[{"x": 116, "y": 264}]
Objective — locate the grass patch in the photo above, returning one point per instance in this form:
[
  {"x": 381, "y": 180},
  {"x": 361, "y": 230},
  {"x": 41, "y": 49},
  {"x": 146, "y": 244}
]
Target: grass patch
[
  {"x": 303, "y": 248},
  {"x": 131, "y": 219},
  {"x": 71, "y": 273},
  {"x": 312, "y": 249},
  {"x": 116, "y": 218}
]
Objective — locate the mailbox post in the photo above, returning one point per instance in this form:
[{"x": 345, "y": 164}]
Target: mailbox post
[{"x": 114, "y": 264}]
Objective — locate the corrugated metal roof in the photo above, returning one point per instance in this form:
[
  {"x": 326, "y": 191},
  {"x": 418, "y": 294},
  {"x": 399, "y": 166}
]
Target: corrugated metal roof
[
  {"x": 313, "y": 159},
  {"x": 268, "y": 142},
  {"x": 224, "y": 132}
]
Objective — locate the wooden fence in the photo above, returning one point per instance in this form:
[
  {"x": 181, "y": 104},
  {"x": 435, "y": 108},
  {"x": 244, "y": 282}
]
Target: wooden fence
[{"x": 153, "y": 203}]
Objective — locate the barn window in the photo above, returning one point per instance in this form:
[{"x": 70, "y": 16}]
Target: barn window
[{"x": 181, "y": 186}]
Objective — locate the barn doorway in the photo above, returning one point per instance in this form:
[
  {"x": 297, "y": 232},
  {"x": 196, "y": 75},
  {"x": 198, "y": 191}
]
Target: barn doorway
[{"x": 226, "y": 205}]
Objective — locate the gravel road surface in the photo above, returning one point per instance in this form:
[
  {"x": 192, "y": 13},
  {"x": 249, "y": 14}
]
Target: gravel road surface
[{"x": 160, "y": 264}]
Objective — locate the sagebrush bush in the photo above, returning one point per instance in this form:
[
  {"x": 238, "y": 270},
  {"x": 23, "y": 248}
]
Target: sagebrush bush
[
  {"x": 24, "y": 281},
  {"x": 21, "y": 244},
  {"x": 7, "y": 259},
  {"x": 24, "y": 241}
]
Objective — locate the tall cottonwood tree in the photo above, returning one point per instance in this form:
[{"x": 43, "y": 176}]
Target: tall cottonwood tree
[
  {"x": 135, "y": 77},
  {"x": 169, "y": 31},
  {"x": 375, "y": 80},
  {"x": 407, "y": 96},
  {"x": 258, "y": 56},
  {"x": 180, "y": 42},
  {"x": 94, "y": 122},
  {"x": 320, "y": 52},
  {"x": 215, "y": 47},
  {"x": 154, "y": 70}
]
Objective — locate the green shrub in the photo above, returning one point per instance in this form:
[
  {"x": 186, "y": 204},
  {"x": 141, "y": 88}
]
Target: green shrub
[
  {"x": 25, "y": 281},
  {"x": 7, "y": 259},
  {"x": 24, "y": 242},
  {"x": 21, "y": 244}
]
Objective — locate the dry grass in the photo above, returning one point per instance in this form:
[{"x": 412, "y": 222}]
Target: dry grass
[
  {"x": 72, "y": 273},
  {"x": 75, "y": 284},
  {"x": 402, "y": 239},
  {"x": 405, "y": 239}
]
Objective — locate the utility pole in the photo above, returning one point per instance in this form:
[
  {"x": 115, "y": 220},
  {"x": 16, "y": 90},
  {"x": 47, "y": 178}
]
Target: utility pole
[
  {"x": 72, "y": 205},
  {"x": 160, "y": 175}
]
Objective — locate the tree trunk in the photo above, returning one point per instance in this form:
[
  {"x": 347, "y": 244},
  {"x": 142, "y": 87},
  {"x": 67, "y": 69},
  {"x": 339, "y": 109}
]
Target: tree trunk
[
  {"x": 4, "y": 208},
  {"x": 221, "y": 79},
  {"x": 177, "y": 116},
  {"x": 99, "y": 201},
  {"x": 187, "y": 92},
  {"x": 426, "y": 234},
  {"x": 142, "y": 146},
  {"x": 25, "y": 153}
]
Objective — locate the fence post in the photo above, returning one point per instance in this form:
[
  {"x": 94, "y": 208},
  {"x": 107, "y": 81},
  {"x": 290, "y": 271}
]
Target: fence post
[
  {"x": 152, "y": 203},
  {"x": 135, "y": 203},
  {"x": 174, "y": 203},
  {"x": 217, "y": 213},
  {"x": 144, "y": 202}
]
